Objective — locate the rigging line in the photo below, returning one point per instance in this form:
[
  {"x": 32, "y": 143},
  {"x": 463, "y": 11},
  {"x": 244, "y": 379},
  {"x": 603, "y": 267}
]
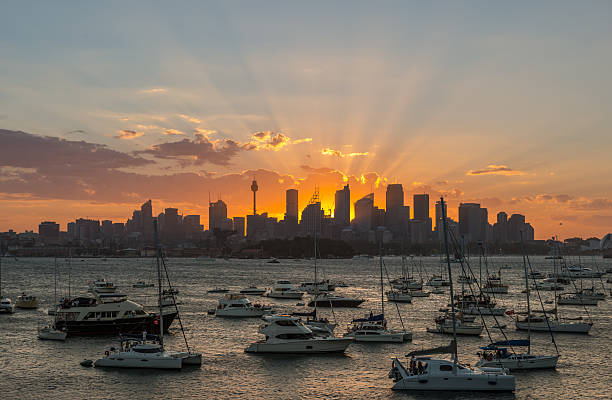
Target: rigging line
[
  {"x": 454, "y": 242},
  {"x": 541, "y": 303},
  {"x": 396, "y": 305},
  {"x": 178, "y": 314}
]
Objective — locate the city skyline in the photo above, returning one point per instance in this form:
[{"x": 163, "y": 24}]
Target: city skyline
[{"x": 479, "y": 103}]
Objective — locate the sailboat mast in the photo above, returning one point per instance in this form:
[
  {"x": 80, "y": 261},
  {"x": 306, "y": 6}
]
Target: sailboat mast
[
  {"x": 382, "y": 295},
  {"x": 54, "y": 283},
  {"x": 0, "y": 276},
  {"x": 527, "y": 291},
  {"x": 316, "y": 281},
  {"x": 450, "y": 280},
  {"x": 159, "y": 285},
  {"x": 555, "y": 275}
]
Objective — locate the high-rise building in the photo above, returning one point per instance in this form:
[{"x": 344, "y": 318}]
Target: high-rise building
[
  {"x": 171, "y": 225},
  {"x": 312, "y": 215},
  {"x": 217, "y": 214},
  {"x": 342, "y": 207},
  {"x": 473, "y": 222},
  {"x": 146, "y": 227},
  {"x": 49, "y": 232},
  {"x": 421, "y": 207},
  {"x": 364, "y": 212},
  {"x": 438, "y": 216},
  {"x": 395, "y": 219},
  {"x": 291, "y": 198}
]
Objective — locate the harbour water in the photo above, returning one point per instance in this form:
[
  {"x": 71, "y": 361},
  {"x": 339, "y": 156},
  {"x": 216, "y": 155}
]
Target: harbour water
[{"x": 45, "y": 369}]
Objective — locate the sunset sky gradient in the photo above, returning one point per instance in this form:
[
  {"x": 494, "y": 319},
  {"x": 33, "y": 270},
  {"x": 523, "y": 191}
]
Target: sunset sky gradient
[{"x": 105, "y": 105}]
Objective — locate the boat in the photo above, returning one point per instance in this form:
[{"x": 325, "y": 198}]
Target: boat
[
  {"x": 148, "y": 351},
  {"x": 321, "y": 286},
  {"x": 437, "y": 281},
  {"x": 549, "y": 284},
  {"x": 478, "y": 305},
  {"x": 26, "y": 301},
  {"x": 273, "y": 261},
  {"x": 575, "y": 299},
  {"x": 536, "y": 275},
  {"x": 287, "y": 334},
  {"x": 425, "y": 373},
  {"x": 497, "y": 355},
  {"x": 406, "y": 281},
  {"x": 284, "y": 289},
  {"x": 218, "y": 290},
  {"x": 238, "y": 306},
  {"x": 399, "y": 296},
  {"x": 590, "y": 293},
  {"x": 578, "y": 271},
  {"x": 330, "y": 300},
  {"x": 495, "y": 285},
  {"x": 341, "y": 284},
  {"x": 466, "y": 279},
  {"x": 253, "y": 291},
  {"x": 142, "y": 284},
  {"x": 420, "y": 293},
  {"x": 106, "y": 314},
  {"x": 51, "y": 332},
  {"x": 463, "y": 325},
  {"x": 102, "y": 286},
  {"x": 373, "y": 328},
  {"x": 6, "y": 304}
]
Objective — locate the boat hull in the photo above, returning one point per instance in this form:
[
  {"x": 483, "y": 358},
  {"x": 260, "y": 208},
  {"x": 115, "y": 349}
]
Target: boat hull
[
  {"x": 114, "y": 327},
  {"x": 476, "y": 383},
  {"x": 483, "y": 311},
  {"x": 51, "y": 334},
  {"x": 399, "y": 298},
  {"x": 461, "y": 330},
  {"x": 577, "y": 302},
  {"x": 349, "y": 303},
  {"x": 522, "y": 362},
  {"x": 120, "y": 361},
  {"x": 382, "y": 338},
  {"x": 7, "y": 309},
  {"x": 496, "y": 290},
  {"x": 239, "y": 313},
  {"x": 555, "y": 326},
  {"x": 27, "y": 304},
  {"x": 284, "y": 295},
  {"x": 319, "y": 346}
]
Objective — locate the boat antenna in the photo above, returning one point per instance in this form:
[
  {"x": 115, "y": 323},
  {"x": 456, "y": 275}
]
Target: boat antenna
[
  {"x": 159, "y": 284},
  {"x": 450, "y": 280}
]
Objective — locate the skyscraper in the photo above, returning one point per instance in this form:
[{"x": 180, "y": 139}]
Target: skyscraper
[
  {"x": 394, "y": 196},
  {"x": 146, "y": 228},
  {"x": 291, "y": 198},
  {"x": 395, "y": 219},
  {"x": 312, "y": 216},
  {"x": 217, "y": 215},
  {"x": 473, "y": 222},
  {"x": 421, "y": 207},
  {"x": 364, "y": 212},
  {"x": 342, "y": 208}
]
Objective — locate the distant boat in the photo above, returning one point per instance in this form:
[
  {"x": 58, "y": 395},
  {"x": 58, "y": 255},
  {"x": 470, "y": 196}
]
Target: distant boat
[{"x": 273, "y": 261}]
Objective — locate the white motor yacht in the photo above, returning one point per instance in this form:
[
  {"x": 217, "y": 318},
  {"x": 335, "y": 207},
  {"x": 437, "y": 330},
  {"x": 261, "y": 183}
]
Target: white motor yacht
[
  {"x": 494, "y": 355},
  {"x": 253, "y": 291},
  {"x": 433, "y": 374},
  {"x": 102, "y": 286},
  {"x": 463, "y": 326},
  {"x": 399, "y": 296},
  {"x": 51, "y": 333},
  {"x": 287, "y": 334},
  {"x": 373, "y": 328},
  {"x": 6, "y": 306},
  {"x": 137, "y": 351},
  {"x": 284, "y": 290},
  {"x": 238, "y": 306},
  {"x": 26, "y": 301}
]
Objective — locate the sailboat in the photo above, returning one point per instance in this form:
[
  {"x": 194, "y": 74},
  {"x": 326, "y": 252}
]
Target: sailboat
[
  {"x": 373, "y": 328},
  {"x": 146, "y": 351},
  {"x": 546, "y": 324},
  {"x": 435, "y": 374},
  {"x": 499, "y": 355},
  {"x": 6, "y": 305},
  {"x": 51, "y": 332}
]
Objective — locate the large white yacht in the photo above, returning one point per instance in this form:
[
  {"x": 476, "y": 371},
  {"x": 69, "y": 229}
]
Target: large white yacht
[
  {"x": 287, "y": 334},
  {"x": 106, "y": 314},
  {"x": 373, "y": 328},
  {"x": 144, "y": 351},
  {"x": 284, "y": 289},
  {"x": 497, "y": 355},
  {"x": 237, "y": 305}
]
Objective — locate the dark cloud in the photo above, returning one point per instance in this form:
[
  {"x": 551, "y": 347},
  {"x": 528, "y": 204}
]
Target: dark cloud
[
  {"x": 495, "y": 170},
  {"x": 128, "y": 134},
  {"x": 591, "y": 204},
  {"x": 196, "y": 151},
  {"x": 76, "y": 131}
]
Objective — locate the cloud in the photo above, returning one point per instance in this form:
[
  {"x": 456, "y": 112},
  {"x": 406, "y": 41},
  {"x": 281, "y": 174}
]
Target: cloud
[
  {"x": 128, "y": 134},
  {"x": 173, "y": 132},
  {"x": 305, "y": 140},
  {"x": 493, "y": 169},
  {"x": 590, "y": 204},
  {"x": 198, "y": 151},
  {"x": 154, "y": 90},
  {"x": 337, "y": 153},
  {"x": 190, "y": 118},
  {"x": 267, "y": 141},
  {"x": 75, "y": 131}
]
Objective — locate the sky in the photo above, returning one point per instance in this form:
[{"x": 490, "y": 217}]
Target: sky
[{"x": 104, "y": 105}]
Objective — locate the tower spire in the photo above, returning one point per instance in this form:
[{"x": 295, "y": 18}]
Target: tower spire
[{"x": 254, "y": 188}]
